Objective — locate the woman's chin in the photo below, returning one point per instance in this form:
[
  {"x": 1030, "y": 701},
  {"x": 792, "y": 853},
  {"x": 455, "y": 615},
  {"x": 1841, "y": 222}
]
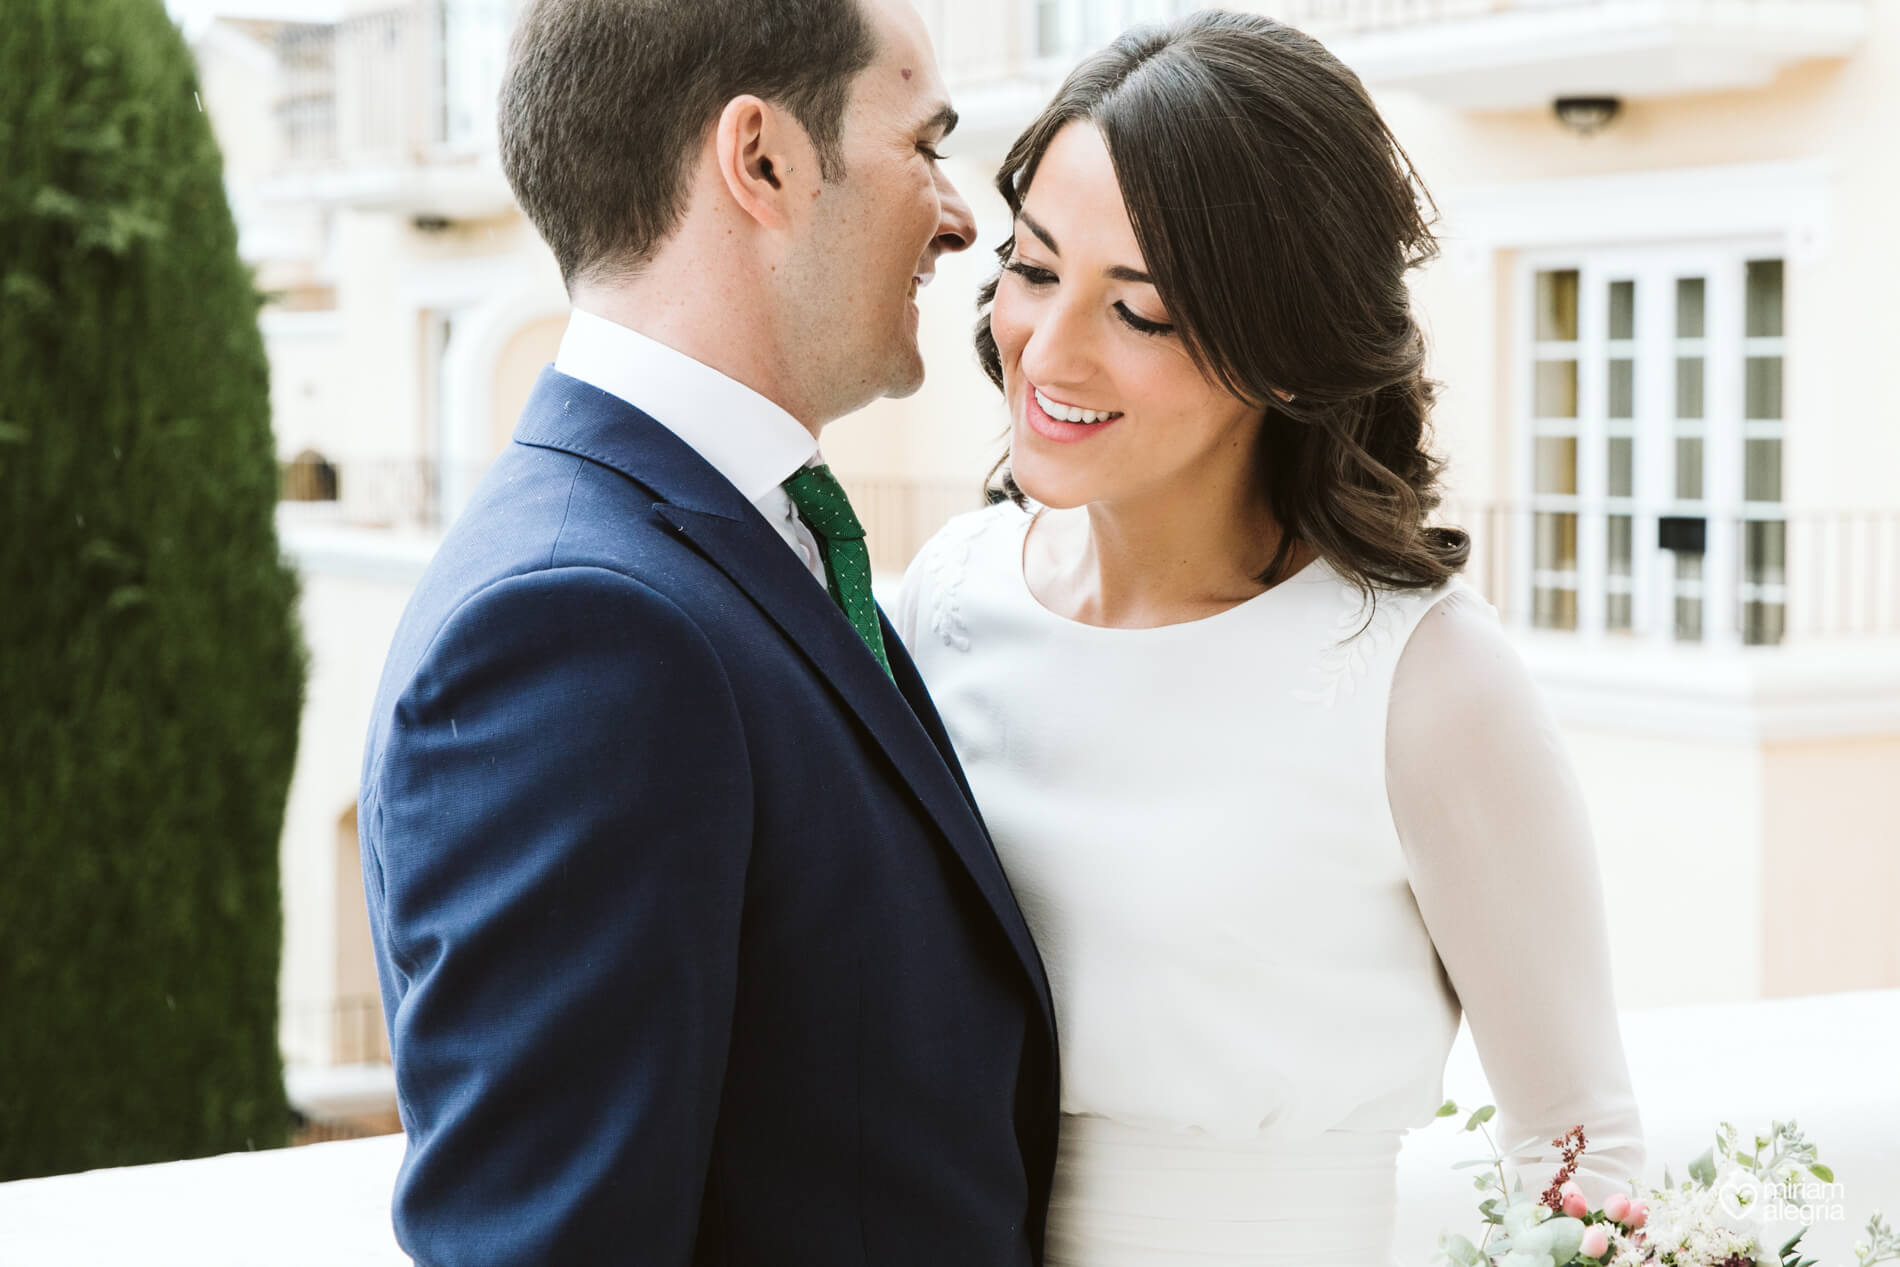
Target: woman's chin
[{"x": 1046, "y": 484}]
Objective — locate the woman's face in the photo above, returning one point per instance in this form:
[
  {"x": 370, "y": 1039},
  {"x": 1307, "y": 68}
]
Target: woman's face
[{"x": 1079, "y": 327}]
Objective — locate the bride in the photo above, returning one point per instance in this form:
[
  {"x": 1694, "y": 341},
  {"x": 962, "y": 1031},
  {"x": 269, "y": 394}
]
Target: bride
[{"x": 1275, "y": 794}]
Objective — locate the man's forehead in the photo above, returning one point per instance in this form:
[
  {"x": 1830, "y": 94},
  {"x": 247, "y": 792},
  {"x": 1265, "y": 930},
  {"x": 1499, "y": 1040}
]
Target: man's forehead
[{"x": 905, "y": 66}]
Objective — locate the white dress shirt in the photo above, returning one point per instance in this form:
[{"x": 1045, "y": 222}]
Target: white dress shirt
[{"x": 745, "y": 437}]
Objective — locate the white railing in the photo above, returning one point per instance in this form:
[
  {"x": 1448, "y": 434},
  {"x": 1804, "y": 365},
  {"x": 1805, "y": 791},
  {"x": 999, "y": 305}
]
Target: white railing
[
  {"x": 1806, "y": 575},
  {"x": 1042, "y": 39}
]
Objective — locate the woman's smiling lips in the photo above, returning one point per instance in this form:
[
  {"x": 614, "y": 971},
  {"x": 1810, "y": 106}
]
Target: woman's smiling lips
[{"x": 1057, "y": 429}]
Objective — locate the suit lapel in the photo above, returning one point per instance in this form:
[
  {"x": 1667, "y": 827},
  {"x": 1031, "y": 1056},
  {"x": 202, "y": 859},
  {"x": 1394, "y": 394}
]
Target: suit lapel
[
  {"x": 758, "y": 563},
  {"x": 705, "y": 509}
]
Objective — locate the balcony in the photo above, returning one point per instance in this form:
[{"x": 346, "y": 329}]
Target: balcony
[
  {"x": 1522, "y": 54},
  {"x": 394, "y": 111},
  {"x": 1468, "y": 54},
  {"x": 325, "y": 501}
]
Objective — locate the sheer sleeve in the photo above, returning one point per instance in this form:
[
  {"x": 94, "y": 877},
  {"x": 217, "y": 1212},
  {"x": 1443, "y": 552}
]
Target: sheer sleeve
[{"x": 1504, "y": 868}]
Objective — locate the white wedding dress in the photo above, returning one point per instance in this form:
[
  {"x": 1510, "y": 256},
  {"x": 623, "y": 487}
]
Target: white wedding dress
[{"x": 1267, "y": 856}]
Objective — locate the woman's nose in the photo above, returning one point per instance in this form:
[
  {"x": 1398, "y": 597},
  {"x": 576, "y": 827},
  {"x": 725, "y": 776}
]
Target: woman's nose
[{"x": 1057, "y": 354}]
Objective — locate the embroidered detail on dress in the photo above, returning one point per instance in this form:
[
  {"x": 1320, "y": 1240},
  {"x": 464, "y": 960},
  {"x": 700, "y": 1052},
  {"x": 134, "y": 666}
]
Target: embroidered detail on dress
[
  {"x": 948, "y": 564},
  {"x": 1356, "y": 644}
]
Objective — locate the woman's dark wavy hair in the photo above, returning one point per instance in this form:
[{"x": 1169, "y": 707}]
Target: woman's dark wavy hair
[{"x": 1278, "y": 217}]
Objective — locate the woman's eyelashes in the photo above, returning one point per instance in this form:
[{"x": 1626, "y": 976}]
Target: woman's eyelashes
[
  {"x": 930, "y": 152},
  {"x": 1142, "y": 324},
  {"x": 1030, "y": 273},
  {"x": 1040, "y": 277}
]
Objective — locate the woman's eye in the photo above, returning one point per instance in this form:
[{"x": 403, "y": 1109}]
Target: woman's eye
[
  {"x": 1030, "y": 273},
  {"x": 1142, "y": 324},
  {"x": 930, "y": 152}
]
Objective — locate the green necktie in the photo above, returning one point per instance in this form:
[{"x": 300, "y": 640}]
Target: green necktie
[{"x": 827, "y": 511}]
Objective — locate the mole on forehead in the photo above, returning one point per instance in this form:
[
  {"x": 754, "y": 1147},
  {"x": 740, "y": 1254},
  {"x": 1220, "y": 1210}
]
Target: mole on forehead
[{"x": 907, "y": 72}]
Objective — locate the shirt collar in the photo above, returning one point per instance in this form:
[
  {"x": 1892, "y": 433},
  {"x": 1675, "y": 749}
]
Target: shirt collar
[{"x": 754, "y": 443}]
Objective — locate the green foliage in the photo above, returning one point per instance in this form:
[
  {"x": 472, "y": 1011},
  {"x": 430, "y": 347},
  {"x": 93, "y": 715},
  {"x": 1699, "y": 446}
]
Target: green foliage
[{"x": 150, "y": 675}]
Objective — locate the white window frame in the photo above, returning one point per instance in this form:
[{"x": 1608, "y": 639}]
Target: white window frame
[{"x": 1724, "y": 347}]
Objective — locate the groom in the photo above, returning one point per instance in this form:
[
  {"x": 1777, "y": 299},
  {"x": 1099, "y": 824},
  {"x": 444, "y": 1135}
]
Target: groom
[{"x": 693, "y": 948}]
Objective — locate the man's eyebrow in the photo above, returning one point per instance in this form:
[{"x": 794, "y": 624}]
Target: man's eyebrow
[
  {"x": 1118, "y": 272},
  {"x": 945, "y": 118}
]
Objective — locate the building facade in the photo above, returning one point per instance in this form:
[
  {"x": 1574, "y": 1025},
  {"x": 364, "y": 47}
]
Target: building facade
[{"x": 1661, "y": 317}]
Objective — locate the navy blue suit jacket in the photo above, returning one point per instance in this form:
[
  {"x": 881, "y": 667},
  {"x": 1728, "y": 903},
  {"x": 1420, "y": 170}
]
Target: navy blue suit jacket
[{"x": 693, "y": 946}]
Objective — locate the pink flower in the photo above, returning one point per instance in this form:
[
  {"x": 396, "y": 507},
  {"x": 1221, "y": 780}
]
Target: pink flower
[
  {"x": 1639, "y": 1213},
  {"x": 1617, "y": 1207},
  {"x": 1596, "y": 1241},
  {"x": 1574, "y": 1203}
]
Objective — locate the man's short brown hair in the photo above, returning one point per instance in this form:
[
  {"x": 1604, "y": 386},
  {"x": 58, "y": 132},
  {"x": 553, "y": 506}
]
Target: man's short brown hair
[{"x": 605, "y": 103}]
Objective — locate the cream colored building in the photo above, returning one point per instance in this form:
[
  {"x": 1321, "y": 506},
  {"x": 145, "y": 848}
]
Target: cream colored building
[{"x": 1674, "y": 331}]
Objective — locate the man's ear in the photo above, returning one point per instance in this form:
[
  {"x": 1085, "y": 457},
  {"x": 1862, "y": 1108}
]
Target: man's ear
[{"x": 764, "y": 157}]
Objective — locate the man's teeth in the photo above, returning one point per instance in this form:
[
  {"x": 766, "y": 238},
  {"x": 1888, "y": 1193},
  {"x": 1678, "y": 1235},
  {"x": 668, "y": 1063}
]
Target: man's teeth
[{"x": 1068, "y": 413}]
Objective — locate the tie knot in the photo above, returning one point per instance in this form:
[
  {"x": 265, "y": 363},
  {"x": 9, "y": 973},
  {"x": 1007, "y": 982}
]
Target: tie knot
[{"x": 822, "y": 504}]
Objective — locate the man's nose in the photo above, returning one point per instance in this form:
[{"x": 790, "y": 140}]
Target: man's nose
[{"x": 956, "y": 223}]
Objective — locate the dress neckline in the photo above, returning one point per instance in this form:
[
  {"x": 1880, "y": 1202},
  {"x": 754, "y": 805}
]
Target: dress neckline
[{"x": 1316, "y": 569}]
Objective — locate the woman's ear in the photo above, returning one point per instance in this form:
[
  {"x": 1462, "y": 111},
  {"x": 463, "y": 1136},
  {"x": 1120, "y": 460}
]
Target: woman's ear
[{"x": 762, "y": 156}]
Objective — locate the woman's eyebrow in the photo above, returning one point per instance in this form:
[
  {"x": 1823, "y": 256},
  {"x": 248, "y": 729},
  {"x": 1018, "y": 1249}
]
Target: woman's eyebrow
[{"x": 1117, "y": 272}]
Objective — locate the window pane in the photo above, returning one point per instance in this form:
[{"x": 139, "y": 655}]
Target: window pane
[
  {"x": 1688, "y": 387},
  {"x": 1621, "y": 535},
  {"x": 1765, "y": 552},
  {"x": 1616, "y": 612},
  {"x": 1689, "y": 296},
  {"x": 1556, "y": 460},
  {"x": 1761, "y": 475},
  {"x": 1556, "y": 389},
  {"x": 1688, "y": 620},
  {"x": 1764, "y": 299},
  {"x": 1622, "y": 388},
  {"x": 1622, "y": 466},
  {"x": 1554, "y": 608},
  {"x": 1556, "y": 547},
  {"x": 1763, "y": 624},
  {"x": 1689, "y": 468},
  {"x": 1622, "y": 310},
  {"x": 1557, "y": 305},
  {"x": 1762, "y": 394},
  {"x": 1688, "y": 609}
]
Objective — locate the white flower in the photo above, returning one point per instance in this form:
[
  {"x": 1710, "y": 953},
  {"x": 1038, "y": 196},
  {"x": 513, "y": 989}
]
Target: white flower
[{"x": 1523, "y": 1217}]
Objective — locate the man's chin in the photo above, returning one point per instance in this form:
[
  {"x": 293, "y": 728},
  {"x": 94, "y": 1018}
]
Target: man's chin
[{"x": 907, "y": 378}]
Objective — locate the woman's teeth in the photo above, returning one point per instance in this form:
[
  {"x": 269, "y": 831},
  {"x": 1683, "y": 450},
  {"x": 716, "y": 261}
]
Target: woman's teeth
[{"x": 1069, "y": 413}]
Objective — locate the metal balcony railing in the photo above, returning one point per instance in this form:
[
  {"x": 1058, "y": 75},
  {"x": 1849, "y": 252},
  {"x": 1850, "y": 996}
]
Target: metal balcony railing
[
  {"x": 1833, "y": 574},
  {"x": 1806, "y": 575},
  {"x": 407, "y": 84},
  {"x": 899, "y": 514},
  {"x": 342, "y": 1031}
]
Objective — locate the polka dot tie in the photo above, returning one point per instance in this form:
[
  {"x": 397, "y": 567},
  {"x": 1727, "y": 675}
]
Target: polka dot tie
[{"x": 827, "y": 511}]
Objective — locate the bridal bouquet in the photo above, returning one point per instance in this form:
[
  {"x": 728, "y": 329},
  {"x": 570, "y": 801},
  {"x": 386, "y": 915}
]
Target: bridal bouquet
[{"x": 1745, "y": 1203}]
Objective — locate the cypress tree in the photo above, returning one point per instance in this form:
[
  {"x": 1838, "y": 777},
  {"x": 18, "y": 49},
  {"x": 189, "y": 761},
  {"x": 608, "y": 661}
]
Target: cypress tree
[{"x": 151, "y": 677}]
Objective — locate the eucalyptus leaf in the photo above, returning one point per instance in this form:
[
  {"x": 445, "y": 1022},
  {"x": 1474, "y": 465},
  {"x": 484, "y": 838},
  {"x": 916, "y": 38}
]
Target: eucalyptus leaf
[
  {"x": 1461, "y": 1250},
  {"x": 1702, "y": 1169},
  {"x": 1480, "y": 1117}
]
